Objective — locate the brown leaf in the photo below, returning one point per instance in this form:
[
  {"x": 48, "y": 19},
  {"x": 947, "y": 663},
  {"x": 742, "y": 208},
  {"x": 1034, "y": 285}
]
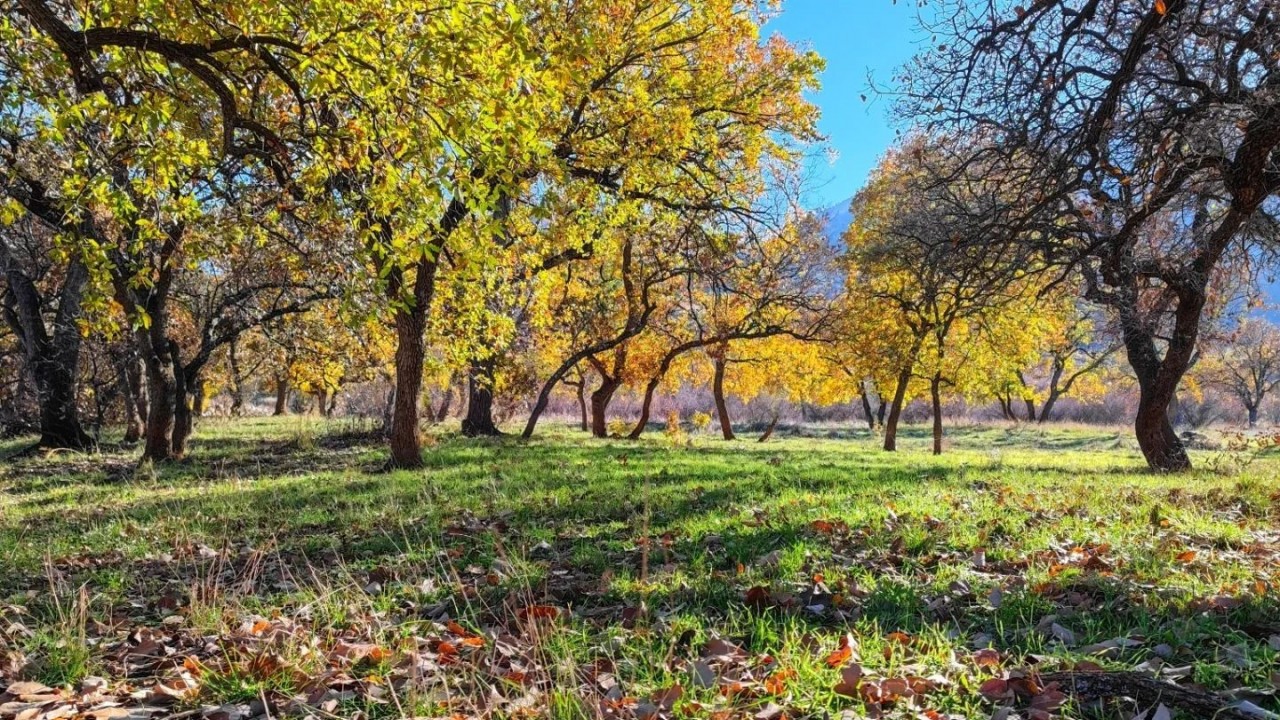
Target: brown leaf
[{"x": 850, "y": 679}]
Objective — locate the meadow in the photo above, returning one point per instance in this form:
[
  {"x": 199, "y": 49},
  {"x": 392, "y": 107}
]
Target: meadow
[{"x": 280, "y": 572}]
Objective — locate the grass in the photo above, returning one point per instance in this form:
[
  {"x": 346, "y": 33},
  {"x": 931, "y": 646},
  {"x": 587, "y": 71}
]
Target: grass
[{"x": 587, "y": 578}]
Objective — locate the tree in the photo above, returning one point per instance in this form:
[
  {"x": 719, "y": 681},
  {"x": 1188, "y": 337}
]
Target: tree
[
  {"x": 916, "y": 258},
  {"x": 42, "y": 307},
  {"x": 1248, "y": 367},
  {"x": 1137, "y": 142}
]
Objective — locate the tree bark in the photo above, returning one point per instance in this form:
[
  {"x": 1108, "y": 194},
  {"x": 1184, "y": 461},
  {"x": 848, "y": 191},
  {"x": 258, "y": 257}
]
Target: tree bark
[
  {"x": 600, "y": 398},
  {"x": 895, "y": 410},
  {"x": 282, "y": 395},
  {"x": 480, "y": 380},
  {"x": 1253, "y": 416},
  {"x": 404, "y": 441},
  {"x": 133, "y": 393},
  {"x": 52, "y": 358},
  {"x": 1158, "y": 379},
  {"x": 186, "y": 389},
  {"x": 935, "y": 394},
  {"x": 162, "y": 399},
  {"x": 717, "y": 389}
]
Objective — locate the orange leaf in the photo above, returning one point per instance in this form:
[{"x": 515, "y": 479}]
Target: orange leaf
[
  {"x": 1161, "y": 7},
  {"x": 1186, "y": 557}
]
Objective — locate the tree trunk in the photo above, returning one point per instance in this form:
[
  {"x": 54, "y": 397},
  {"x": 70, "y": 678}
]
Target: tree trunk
[
  {"x": 405, "y": 441},
  {"x": 282, "y": 395},
  {"x": 935, "y": 394},
  {"x": 600, "y": 405},
  {"x": 881, "y": 407},
  {"x": 237, "y": 381},
  {"x": 333, "y": 404},
  {"x": 52, "y": 358},
  {"x": 1046, "y": 410},
  {"x": 198, "y": 400},
  {"x": 895, "y": 410},
  {"x": 186, "y": 388},
  {"x": 322, "y": 401},
  {"x": 768, "y": 431},
  {"x": 479, "y": 420},
  {"x": 1158, "y": 380},
  {"x": 722, "y": 407},
  {"x": 133, "y": 394},
  {"x": 446, "y": 403},
  {"x": 162, "y": 397},
  {"x": 866, "y": 407},
  {"x": 646, "y": 406},
  {"x": 1253, "y": 416},
  {"x": 584, "y": 422}
]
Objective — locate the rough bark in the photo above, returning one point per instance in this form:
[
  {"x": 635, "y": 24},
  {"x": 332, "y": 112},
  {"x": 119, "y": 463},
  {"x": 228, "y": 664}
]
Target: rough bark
[
  {"x": 53, "y": 358},
  {"x": 480, "y": 380},
  {"x": 405, "y": 441},
  {"x": 162, "y": 389}
]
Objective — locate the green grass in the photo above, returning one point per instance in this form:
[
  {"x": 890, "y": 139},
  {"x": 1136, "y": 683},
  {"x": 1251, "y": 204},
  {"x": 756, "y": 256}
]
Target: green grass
[{"x": 651, "y": 549}]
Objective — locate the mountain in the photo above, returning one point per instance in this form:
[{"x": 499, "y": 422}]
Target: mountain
[{"x": 838, "y": 219}]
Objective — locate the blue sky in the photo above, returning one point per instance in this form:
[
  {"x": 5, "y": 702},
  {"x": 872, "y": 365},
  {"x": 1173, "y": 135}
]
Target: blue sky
[{"x": 857, "y": 38}]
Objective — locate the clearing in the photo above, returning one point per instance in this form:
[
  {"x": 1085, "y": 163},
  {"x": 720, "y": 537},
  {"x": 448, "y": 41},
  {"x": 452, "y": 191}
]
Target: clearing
[{"x": 278, "y": 573}]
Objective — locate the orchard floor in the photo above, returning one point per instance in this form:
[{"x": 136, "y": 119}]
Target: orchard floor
[{"x": 278, "y": 573}]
